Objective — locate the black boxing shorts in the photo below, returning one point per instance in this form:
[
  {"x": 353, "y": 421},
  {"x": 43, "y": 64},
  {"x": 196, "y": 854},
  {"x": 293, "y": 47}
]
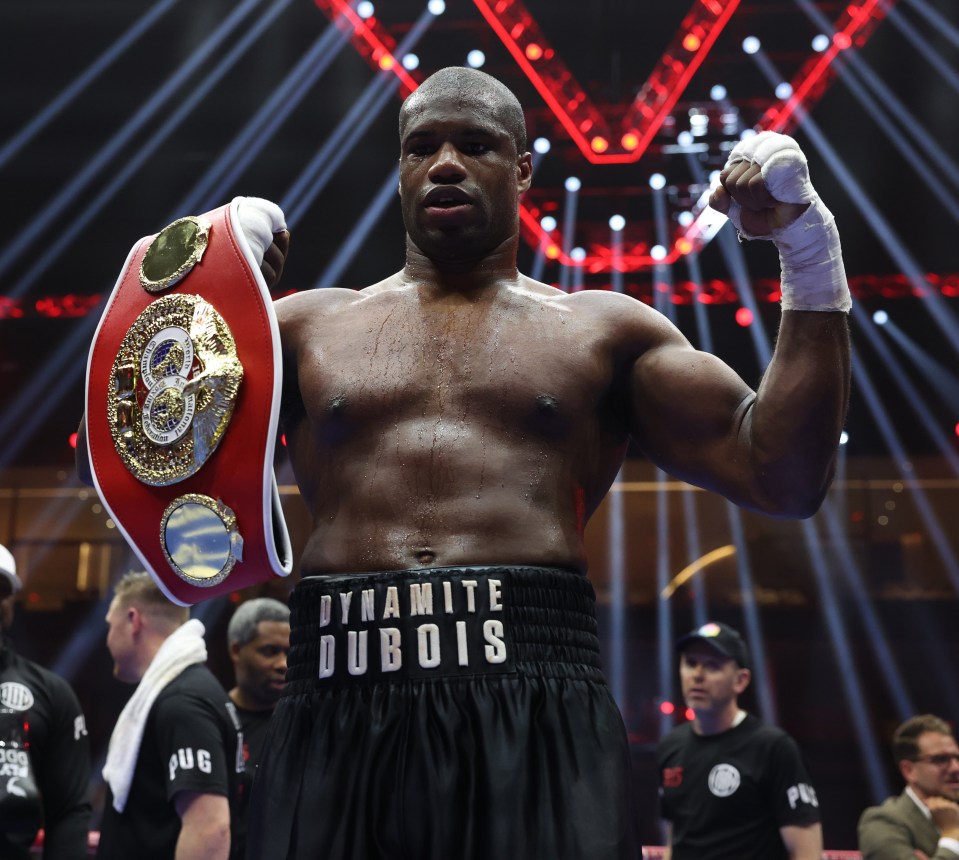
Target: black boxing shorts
[{"x": 454, "y": 713}]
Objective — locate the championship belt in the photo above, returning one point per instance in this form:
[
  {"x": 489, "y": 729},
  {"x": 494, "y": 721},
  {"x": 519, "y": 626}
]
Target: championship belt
[{"x": 182, "y": 405}]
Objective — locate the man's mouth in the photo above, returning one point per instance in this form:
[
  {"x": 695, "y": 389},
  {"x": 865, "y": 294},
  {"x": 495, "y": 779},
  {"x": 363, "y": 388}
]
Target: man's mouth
[{"x": 446, "y": 198}]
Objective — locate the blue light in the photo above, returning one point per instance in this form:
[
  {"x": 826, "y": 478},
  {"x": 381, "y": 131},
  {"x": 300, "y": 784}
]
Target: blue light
[
  {"x": 410, "y": 62},
  {"x": 751, "y": 44},
  {"x": 436, "y": 7},
  {"x": 880, "y": 317},
  {"x": 541, "y": 145},
  {"x": 717, "y": 93},
  {"x": 657, "y": 181},
  {"x": 820, "y": 43},
  {"x": 475, "y": 59},
  {"x": 365, "y": 9},
  {"x": 548, "y": 223},
  {"x": 572, "y": 184},
  {"x": 616, "y": 223}
]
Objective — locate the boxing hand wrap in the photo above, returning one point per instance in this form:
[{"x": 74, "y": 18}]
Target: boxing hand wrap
[
  {"x": 259, "y": 219},
  {"x": 813, "y": 276}
]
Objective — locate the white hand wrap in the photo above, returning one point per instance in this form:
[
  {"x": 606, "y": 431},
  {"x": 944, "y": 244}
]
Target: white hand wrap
[
  {"x": 259, "y": 219},
  {"x": 813, "y": 276}
]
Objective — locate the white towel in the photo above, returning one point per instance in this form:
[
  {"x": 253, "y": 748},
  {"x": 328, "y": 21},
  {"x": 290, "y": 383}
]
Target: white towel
[{"x": 182, "y": 648}]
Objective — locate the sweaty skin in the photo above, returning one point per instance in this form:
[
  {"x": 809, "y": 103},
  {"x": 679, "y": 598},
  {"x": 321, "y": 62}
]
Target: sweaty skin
[{"x": 461, "y": 413}]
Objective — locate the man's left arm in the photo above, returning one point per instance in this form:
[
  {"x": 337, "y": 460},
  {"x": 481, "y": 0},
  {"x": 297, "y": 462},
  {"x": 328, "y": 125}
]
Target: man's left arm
[
  {"x": 63, "y": 775},
  {"x": 775, "y": 449},
  {"x": 802, "y": 841},
  {"x": 204, "y": 826}
]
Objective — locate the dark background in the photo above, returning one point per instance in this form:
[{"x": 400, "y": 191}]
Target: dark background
[{"x": 127, "y": 142}]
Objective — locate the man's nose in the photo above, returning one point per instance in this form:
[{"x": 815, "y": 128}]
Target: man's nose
[{"x": 447, "y": 165}]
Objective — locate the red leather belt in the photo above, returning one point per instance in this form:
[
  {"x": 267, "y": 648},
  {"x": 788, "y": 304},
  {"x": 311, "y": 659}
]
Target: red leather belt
[{"x": 182, "y": 406}]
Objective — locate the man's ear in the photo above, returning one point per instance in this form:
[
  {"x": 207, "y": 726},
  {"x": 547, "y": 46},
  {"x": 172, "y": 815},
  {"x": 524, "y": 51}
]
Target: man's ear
[
  {"x": 135, "y": 617},
  {"x": 743, "y": 677},
  {"x": 524, "y": 171},
  {"x": 906, "y": 768}
]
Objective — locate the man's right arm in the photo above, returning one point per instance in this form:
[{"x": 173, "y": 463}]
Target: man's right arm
[
  {"x": 204, "y": 826},
  {"x": 884, "y": 837},
  {"x": 668, "y": 831}
]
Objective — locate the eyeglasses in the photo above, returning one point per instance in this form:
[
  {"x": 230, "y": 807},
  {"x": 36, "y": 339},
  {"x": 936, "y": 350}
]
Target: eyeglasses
[{"x": 939, "y": 760}]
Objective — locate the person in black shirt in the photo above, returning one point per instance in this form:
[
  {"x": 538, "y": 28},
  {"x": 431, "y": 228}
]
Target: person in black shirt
[
  {"x": 258, "y": 638},
  {"x": 731, "y": 787},
  {"x": 173, "y": 762},
  {"x": 44, "y": 750}
]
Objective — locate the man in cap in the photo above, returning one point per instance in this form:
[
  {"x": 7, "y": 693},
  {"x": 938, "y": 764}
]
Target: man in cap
[
  {"x": 923, "y": 821},
  {"x": 730, "y": 785},
  {"x": 44, "y": 750}
]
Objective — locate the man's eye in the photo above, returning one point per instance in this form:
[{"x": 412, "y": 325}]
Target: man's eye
[{"x": 475, "y": 148}]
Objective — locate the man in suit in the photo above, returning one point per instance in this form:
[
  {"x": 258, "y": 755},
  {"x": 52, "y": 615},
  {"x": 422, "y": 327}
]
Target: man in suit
[{"x": 923, "y": 821}]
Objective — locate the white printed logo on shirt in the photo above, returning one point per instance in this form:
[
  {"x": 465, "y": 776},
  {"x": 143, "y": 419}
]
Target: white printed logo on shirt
[
  {"x": 723, "y": 780},
  {"x": 16, "y": 696}
]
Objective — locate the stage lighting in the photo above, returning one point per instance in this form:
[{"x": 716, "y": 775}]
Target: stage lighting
[
  {"x": 475, "y": 59},
  {"x": 578, "y": 254},
  {"x": 365, "y": 9},
  {"x": 880, "y": 317},
  {"x": 843, "y": 437},
  {"x": 541, "y": 145},
  {"x": 784, "y": 90},
  {"x": 820, "y": 43},
  {"x": 548, "y": 223},
  {"x": 685, "y": 218},
  {"x": 658, "y": 252},
  {"x": 717, "y": 93},
  {"x": 436, "y": 7},
  {"x": 657, "y": 181},
  {"x": 410, "y": 62},
  {"x": 751, "y": 44},
  {"x": 684, "y": 138},
  {"x": 667, "y": 708},
  {"x": 616, "y": 223},
  {"x": 690, "y": 714},
  {"x": 572, "y": 184},
  {"x": 744, "y": 317}
]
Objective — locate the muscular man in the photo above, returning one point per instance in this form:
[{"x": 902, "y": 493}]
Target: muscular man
[
  {"x": 923, "y": 821},
  {"x": 258, "y": 637},
  {"x": 173, "y": 760},
  {"x": 452, "y": 429},
  {"x": 44, "y": 749},
  {"x": 730, "y": 785}
]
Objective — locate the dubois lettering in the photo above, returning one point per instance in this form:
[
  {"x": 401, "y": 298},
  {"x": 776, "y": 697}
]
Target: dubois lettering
[{"x": 433, "y": 625}]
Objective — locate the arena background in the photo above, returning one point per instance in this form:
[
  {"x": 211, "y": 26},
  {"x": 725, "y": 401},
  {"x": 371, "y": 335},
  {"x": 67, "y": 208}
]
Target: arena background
[{"x": 120, "y": 116}]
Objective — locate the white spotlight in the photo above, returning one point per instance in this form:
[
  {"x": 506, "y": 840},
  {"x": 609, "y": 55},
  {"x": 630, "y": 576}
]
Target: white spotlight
[
  {"x": 475, "y": 58},
  {"x": 820, "y": 43},
  {"x": 572, "y": 184},
  {"x": 411, "y": 61},
  {"x": 685, "y": 219},
  {"x": 541, "y": 145},
  {"x": 365, "y": 9},
  {"x": 880, "y": 317},
  {"x": 657, "y": 181},
  {"x": 578, "y": 254},
  {"x": 784, "y": 90},
  {"x": 548, "y": 223},
  {"x": 751, "y": 44},
  {"x": 436, "y": 7},
  {"x": 843, "y": 437},
  {"x": 717, "y": 93},
  {"x": 685, "y": 138},
  {"x": 657, "y": 252},
  {"x": 616, "y": 223}
]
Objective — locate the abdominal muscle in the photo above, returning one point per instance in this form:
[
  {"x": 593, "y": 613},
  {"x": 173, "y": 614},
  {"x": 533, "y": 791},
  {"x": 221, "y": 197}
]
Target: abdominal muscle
[{"x": 462, "y": 502}]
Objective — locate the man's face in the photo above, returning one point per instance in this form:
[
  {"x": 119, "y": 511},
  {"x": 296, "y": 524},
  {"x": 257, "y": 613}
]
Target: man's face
[
  {"x": 709, "y": 680},
  {"x": 120, "y": 642},
  {"x": 260, "y": 664},
  {"x": 460, "y": 178},
  {"x": 935, "y": 773},
  {"x": 6, "y": 611}
]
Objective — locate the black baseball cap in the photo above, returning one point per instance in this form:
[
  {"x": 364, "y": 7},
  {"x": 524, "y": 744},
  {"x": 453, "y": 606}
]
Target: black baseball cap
[{"x": 722, "y": 637}]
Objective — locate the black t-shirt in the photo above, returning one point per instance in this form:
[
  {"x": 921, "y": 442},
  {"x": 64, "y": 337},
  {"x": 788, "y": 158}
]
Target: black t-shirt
[
  {"x": 727, "y": 795},
  {"x": 253, "y": 726},
  {"x": 189, "y": 744},
  {"x": 43, "y": 748}
]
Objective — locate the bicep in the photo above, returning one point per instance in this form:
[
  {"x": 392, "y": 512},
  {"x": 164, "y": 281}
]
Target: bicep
[
  {"x": 687, "y": 411},
  {"x": 802, "y": 841}
]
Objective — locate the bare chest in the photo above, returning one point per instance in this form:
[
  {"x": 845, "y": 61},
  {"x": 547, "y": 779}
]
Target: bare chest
[{"x": 530, "y": 368}]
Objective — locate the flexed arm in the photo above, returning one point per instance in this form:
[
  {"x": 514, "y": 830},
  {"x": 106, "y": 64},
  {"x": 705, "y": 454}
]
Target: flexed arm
[{"x": 773, "y": 450}]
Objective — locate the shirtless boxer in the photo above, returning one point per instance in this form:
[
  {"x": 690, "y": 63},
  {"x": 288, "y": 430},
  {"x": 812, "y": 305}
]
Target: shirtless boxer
[{"x": 452, "y": 429}]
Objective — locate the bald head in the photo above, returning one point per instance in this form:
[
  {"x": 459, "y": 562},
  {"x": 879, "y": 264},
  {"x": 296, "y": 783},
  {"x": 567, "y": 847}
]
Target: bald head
[{"x": 469, "y": 86}]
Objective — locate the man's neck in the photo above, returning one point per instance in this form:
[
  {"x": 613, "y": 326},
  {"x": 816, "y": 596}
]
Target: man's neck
[
  {"x": 464, "y": 274},
  {"x": 248, "y": 703},
  {"x": 713, "y": 723}
]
